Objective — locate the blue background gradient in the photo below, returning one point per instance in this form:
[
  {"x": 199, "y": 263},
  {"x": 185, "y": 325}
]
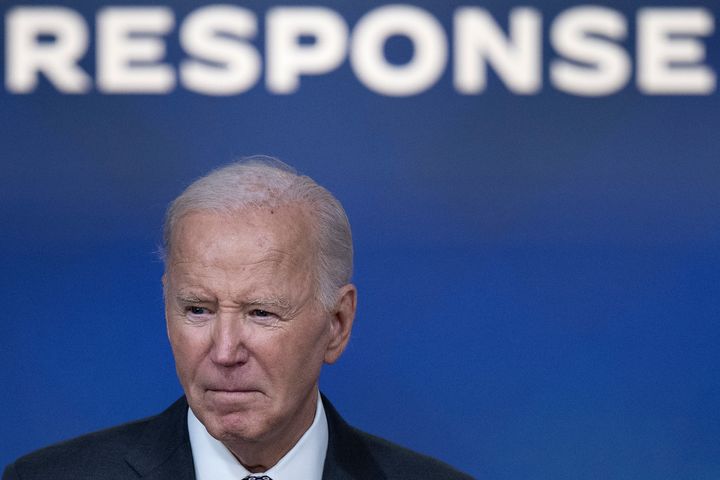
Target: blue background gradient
[{"x": 538, "y": 275}]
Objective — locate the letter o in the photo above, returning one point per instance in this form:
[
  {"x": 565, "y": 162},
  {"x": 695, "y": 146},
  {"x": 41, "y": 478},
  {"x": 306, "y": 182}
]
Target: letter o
[{"x": 367, "y": 56}]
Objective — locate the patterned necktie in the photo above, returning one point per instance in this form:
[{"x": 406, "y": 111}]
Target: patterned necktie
[{"x": 255, "y": 477}]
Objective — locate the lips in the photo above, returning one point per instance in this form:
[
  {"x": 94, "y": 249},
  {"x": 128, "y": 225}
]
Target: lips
[
  {"x": 232, "y": 400},
  {"x": 231, "y": 391},
  {"x": 228, "y": 384}
]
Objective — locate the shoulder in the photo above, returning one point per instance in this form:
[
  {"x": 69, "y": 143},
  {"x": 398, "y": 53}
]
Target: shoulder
[
  {"x": 83, "y": 453},
  {"x": 353, "y": 453},
  {"x": 400, "y": 462},
  {"x": 100, "y": 454}
]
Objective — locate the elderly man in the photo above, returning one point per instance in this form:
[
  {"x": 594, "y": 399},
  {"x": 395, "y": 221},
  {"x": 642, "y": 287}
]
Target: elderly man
[{"x": 257, "y": 298}]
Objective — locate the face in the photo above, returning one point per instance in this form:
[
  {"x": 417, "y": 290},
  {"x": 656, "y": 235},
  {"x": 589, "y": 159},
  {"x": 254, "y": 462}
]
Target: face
[{"x": 248, "y": 335}]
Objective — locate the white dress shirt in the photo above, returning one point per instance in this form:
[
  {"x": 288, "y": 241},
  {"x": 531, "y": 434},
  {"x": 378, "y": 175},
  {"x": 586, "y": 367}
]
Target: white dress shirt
[{"x": 213, "y": 461}]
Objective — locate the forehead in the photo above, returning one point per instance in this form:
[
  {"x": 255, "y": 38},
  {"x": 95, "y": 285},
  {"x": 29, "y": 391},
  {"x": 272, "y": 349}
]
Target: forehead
[{"x": 247, "y": 235}]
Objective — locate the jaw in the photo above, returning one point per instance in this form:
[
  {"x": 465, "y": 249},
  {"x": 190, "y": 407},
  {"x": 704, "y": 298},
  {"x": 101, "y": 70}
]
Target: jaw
[{"x": 256, "y": 435}]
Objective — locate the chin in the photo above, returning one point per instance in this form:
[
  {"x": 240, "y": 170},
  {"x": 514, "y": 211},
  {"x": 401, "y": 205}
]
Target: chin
[
  {"x": 235, "y": 429},
  {"x": 246, "y": 426}
]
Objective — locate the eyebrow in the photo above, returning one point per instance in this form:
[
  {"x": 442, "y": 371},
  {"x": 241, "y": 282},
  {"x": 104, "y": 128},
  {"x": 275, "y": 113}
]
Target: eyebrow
[
  {"x": 189, "y": 298},
  {"x": 279, "y": 302}
]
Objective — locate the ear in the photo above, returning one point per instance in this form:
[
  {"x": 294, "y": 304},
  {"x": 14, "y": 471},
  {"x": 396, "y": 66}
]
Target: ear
[{"x": 341, "y": 323}]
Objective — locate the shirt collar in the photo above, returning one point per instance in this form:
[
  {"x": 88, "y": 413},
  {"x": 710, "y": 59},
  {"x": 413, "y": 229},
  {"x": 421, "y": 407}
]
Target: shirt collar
[{"x": 213, "y": 461}]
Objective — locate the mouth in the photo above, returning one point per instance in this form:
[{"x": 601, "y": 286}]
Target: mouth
[
  {"x": 218, "y": 389},
  {"x": 232, "y": 399},
  {"x": 232, "y": 392}
]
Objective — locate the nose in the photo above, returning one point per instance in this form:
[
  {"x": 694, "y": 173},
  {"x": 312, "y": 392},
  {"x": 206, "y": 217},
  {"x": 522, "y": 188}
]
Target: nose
[{"x": 229, "y": 340}]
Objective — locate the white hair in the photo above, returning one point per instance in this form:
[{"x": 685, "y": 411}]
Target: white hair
[{"x": 265, "y": 181}]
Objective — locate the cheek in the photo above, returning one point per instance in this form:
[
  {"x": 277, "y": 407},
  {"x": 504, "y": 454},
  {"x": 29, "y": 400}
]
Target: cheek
[
  {"x": 187, "y": 354},
  {"x": 308, "y": 352}
]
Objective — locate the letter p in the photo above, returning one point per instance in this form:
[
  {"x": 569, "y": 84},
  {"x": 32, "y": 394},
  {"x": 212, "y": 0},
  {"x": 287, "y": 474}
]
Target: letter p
[{"x": 288, "y": 58}]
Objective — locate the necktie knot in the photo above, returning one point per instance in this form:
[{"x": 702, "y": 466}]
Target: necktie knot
[{"x": 255, "y": 477}]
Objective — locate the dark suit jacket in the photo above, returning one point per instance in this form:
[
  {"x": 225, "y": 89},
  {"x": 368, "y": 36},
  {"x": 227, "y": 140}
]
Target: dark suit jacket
[{"x": 159, "y": 448}]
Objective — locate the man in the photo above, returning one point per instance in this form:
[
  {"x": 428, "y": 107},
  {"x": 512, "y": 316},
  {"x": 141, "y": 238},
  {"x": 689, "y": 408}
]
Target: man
[{"x": 258, "y": 262}]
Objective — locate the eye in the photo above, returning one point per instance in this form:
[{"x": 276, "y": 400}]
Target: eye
[
  {"x": 197, "y": 310},
  {"x": 260, "y": 313}
]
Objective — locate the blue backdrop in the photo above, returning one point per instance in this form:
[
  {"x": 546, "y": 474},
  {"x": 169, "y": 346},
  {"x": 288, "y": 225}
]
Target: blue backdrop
[{"x": 538, "y": 273}]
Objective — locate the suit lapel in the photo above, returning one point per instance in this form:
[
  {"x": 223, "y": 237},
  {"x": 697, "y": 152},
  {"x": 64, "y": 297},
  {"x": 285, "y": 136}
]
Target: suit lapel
[
  {"x": 347, "y": 456},
  {"x": 163, "y": 451}
]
